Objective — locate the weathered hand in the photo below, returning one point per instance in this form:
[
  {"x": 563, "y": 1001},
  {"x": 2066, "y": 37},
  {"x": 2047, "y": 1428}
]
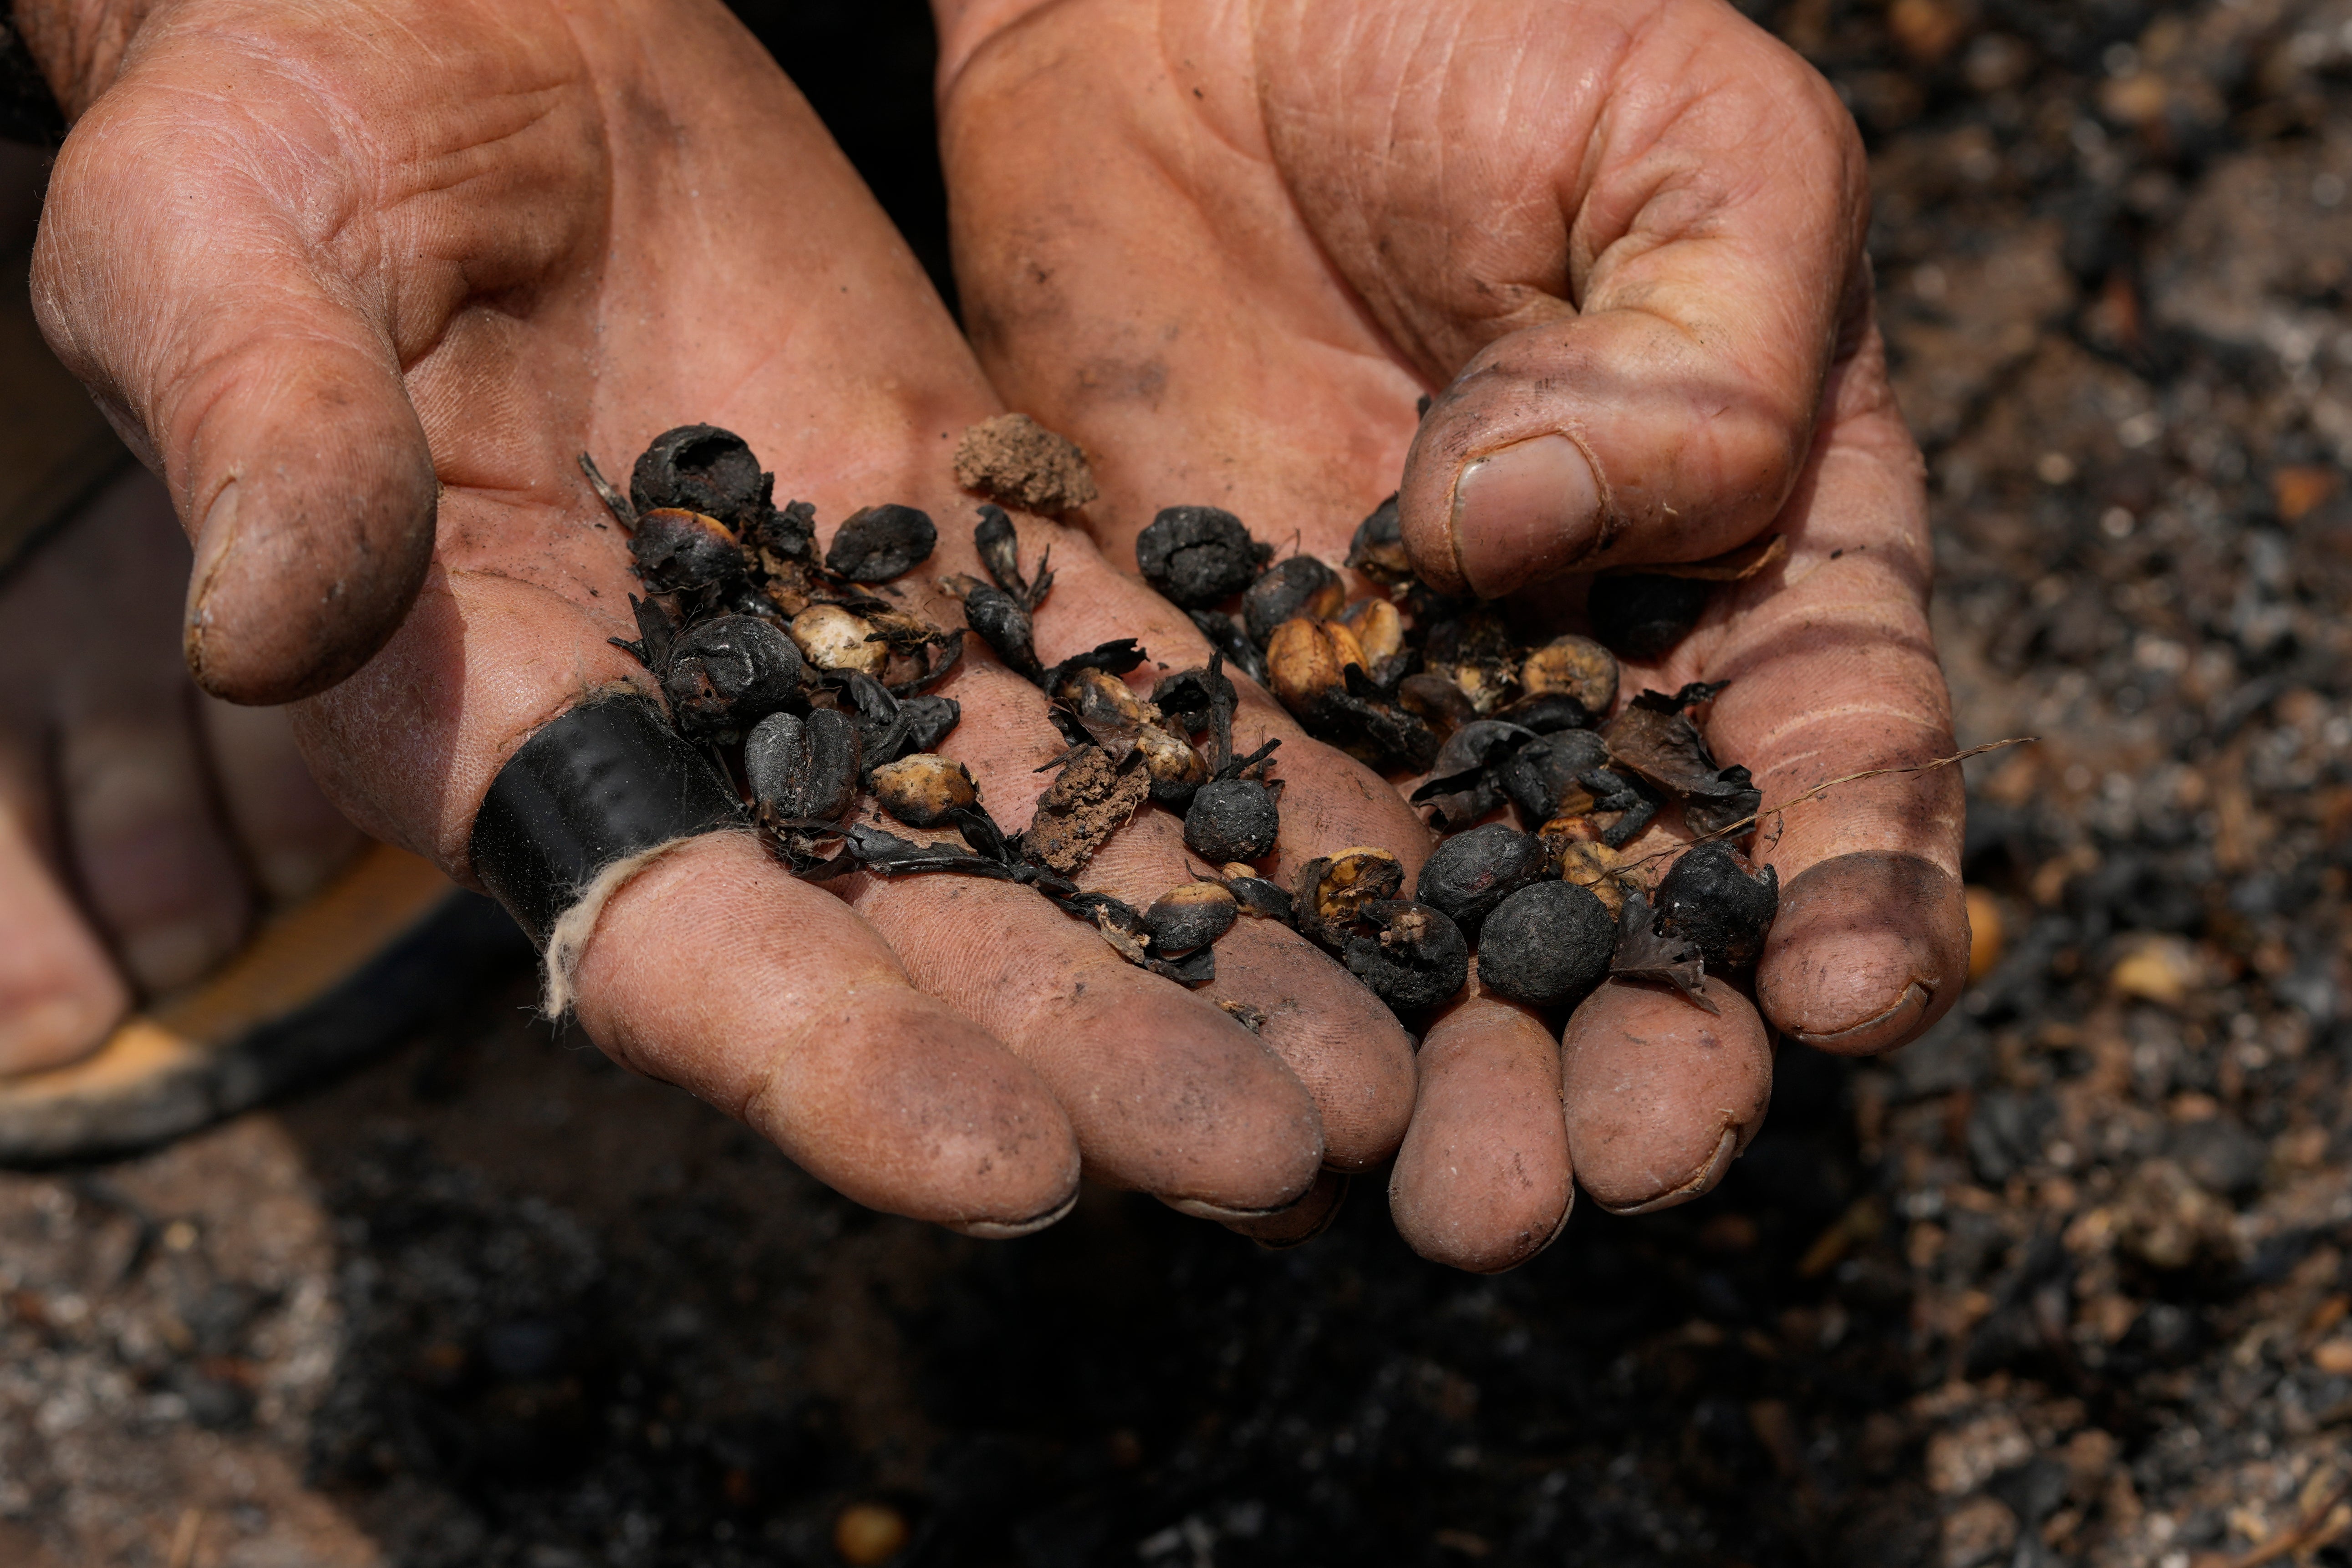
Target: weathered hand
[
  {"x": 324, "y": 262},
  {"x": 1227, "y": 246}
]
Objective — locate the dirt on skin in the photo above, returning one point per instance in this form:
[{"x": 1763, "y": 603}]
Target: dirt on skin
[{"x": 2068, "y": 1281}]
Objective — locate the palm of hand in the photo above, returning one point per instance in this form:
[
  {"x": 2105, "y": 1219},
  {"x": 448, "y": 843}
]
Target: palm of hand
[{"x": 1227, "y": 250}]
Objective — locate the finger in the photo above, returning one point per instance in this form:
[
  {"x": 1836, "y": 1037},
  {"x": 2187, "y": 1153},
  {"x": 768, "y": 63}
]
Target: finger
[
  {"x": 292, "y": 837},
  {"x": 59, "y": 993},
  {"x": 1633, "y": 356},
  {"x": 150, "y": 858},
  {"x": 714, "y": 968},
  {"x": 1661, "y": 1095},
  {"x": 1168, "y": 1093},
  {"x": 1303, "y": 1221},
  {"x": 1483, "y": 1182},
  {"x": 809, "y": 1032},
  {"x": 256, "y": 357},
  {"x": 1832, "y": 671}
]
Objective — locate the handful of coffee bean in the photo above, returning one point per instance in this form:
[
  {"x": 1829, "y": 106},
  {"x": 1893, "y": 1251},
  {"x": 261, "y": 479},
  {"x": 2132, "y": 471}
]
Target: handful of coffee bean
[{"x": 810, "y": 682}]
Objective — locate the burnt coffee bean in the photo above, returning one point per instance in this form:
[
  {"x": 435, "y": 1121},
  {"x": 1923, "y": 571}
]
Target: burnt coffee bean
[
  {"x": 1177, "y": 767},
  {"x": 832, "y": 638},
  {"x": 1190, "y": 917},
  {"x": 1306, "y": 662},
  {"x": 1717, "y": 901},
  {"x": 789, "y": 532},
  {"x": 1546, "y": 945},
  {"x": 1379, "y": 630},
  {"x": 1187, "y": 698},
  {"x": 877, "y": 543},
  {"x": 923, "y": 790},
  {"x": 1545, "y": 777},
  {"x": 1469, "y": 873},
  {"x": 1232, "y": 819},
  {"x": 1258, "y": 897},
  {"x": 728, "y": 674},
  {"x": 1642, "y": 614},
  {"x": 1580, "y": 855},
  {"x": 676, "y": 551},
  {"x": 700, "y": 468},
  {"x": 1197, "y": 555},
  {"x": 1378, "y": 549},
  {"x": 1328, "y": 895},
  {"x": 803, "y": 770},
  {"x": 1573, "y": 666},
  {"x": 1300, "y": 586},
  {"x": 1417, "y": 958}
]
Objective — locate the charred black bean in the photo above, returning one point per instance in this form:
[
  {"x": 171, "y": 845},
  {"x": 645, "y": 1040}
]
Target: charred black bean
[
  {"x": 728, "y": 674},
  {"x": 1005, "y": 627},
  {"x": 1232, "y": 819},
  {"x": 677, "y": 550},
  {"x": 1469, "y": 873},
  {"x": 876, "y": 544},
  {"x": 1416, "y": 957},
  {"x": 700, "y": 468},
  {"x": 1546, "y": 945},
  {"x": 1197, "y": 555},
  {"x": 803, "y": 770},
  {"x": 1544, "y": 777},
  {"x": 1717, "y": 901},
  {"x": 1299, "y": 585}
]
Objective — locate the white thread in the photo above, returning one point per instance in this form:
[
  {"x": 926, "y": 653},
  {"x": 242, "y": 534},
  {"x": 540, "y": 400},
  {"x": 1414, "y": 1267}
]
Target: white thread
[{"x": 569, "y": 940}]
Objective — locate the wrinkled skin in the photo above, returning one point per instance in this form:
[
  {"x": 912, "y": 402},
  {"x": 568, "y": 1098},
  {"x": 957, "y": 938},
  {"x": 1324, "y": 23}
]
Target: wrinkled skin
[
  {"x": 421, "y": 250},
  {"x": 1620, "y": 243},
  {"x": 144, "y": 825}
]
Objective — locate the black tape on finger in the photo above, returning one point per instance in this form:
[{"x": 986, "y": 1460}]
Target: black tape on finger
[{"x": 599, "y": 789}]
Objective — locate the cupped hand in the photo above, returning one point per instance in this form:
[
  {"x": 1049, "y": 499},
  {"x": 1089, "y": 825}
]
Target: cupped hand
[
  {"x": 1619, "y": 245},
  {"x": 365, "y": 279}
]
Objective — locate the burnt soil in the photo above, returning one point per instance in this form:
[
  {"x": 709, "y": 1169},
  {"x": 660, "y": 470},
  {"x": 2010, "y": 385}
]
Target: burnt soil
[{"x": 2067, "y": 1282}]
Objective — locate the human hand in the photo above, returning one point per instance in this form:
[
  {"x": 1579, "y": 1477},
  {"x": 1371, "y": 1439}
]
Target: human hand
[
  {"x": 1226, "y": 247},
  {"x": 528, "y": 231}
]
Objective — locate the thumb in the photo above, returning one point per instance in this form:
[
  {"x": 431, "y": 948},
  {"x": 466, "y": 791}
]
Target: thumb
[
  {"x": 269, "y": 399},
  {"x": 1658, "y": 402}
]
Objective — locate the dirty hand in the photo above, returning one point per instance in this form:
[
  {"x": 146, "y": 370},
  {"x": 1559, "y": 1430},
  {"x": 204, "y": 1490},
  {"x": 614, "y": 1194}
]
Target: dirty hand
[
  {"x": 1620, "y": 244},
  {"x": 322, "y": 264}
]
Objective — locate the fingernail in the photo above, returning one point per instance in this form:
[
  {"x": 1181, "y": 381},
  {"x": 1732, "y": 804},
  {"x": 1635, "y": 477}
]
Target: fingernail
[
  {"x": 214, "y": 536},
  {"x": 1524, "y": 512}
]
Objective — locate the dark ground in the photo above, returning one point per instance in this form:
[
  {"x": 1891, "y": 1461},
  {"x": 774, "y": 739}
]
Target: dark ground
[{"x": 2066, "y": 1281}]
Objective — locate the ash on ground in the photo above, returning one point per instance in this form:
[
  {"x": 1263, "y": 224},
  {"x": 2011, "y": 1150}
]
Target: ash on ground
[{"x": 2065, "y": 1282}]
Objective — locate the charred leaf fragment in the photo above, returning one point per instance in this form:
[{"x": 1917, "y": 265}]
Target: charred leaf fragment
[
  {"x": 1005, "y": 627},
  {"x": 1715, "y": 899},
  {"x": 1655, "y": 739},
  {"x": 1258, "y": 897},
  {"x": 1546, "y": 945},
  {"x": 999, "y": 544},
  {"x": 877, "y": 543},
  {"x": 1643, "y": 953},
  {"x": 1197, "y": 555}
]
